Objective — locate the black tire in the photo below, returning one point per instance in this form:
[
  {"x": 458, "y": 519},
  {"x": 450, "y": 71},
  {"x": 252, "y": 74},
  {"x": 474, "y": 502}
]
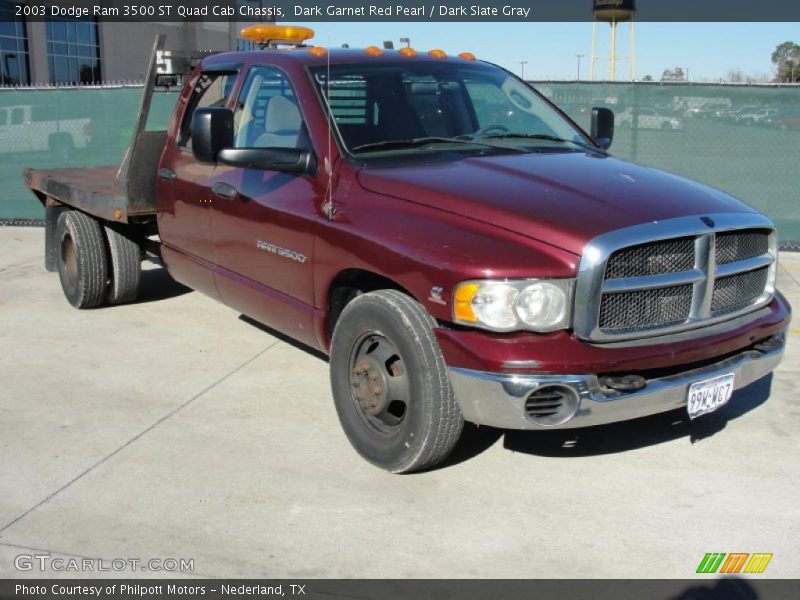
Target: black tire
[
  {"x": 389, "y": 328},
  {"x": 82, "y": 263},
  {"x": 125, "y": 262}
]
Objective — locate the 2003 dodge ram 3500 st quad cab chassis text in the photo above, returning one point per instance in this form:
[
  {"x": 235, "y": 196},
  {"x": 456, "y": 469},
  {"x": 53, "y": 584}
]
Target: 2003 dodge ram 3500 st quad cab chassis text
[{"x": 458, "y": 246}]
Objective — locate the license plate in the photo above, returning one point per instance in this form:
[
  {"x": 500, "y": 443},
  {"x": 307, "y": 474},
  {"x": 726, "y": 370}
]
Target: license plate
[{"x": 707, "y": 396}]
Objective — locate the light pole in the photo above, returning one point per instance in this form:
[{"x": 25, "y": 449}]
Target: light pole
[
  {"x": 579, "y": 57},
  {"x": 522, "y": 64}
]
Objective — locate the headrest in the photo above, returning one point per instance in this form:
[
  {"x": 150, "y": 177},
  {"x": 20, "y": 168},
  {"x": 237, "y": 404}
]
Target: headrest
[{"x": 282, "y": 115}]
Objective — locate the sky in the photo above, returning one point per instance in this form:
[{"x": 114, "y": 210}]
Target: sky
[{"x": 708, "y": 50}]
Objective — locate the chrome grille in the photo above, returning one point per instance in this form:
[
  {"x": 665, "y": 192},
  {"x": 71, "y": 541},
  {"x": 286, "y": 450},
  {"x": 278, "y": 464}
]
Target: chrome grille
[
  {"x": 736, "y": 245},
  {"x": 738, "y": 291},
  {"x": 670, "y": 276},
  {"x": 642, "y": 310},
  {"x": 656, "y": 258}
]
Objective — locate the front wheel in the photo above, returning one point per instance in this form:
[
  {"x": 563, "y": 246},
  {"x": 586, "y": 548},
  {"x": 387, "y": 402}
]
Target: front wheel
[{"x": 390, "y": 383}]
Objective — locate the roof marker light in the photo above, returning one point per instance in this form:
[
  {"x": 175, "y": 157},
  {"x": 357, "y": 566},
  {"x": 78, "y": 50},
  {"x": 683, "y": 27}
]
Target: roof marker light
[
  {"x": 437, "y": 53},
  {"x": 467, "y": 56},
  {"x": 373, "y": 51},
  {"x": 317, "y": 51},
  {"x": 407, "y": 51}
]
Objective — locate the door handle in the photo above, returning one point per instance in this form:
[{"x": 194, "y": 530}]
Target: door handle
[
  {"x": 167, "y": 174},
  {"x": 223, "y": 190}
]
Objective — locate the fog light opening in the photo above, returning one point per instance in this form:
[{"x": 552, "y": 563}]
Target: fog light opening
[{"x": 552, "y": 405}]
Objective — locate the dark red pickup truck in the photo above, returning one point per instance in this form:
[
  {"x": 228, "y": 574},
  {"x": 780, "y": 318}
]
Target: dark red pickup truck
[{"x": 460, "y": 248}]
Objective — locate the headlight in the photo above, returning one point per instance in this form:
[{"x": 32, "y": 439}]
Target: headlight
[{"x": 537, "y": 305}]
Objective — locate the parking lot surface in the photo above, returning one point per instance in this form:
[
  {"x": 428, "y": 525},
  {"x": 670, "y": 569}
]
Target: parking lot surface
[{"x": 175, "y": 428}]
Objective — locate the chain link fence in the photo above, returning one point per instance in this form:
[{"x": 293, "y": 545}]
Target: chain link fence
[
  {"x": 53, "y": 127},
  {"x": 744, "y": 140}
]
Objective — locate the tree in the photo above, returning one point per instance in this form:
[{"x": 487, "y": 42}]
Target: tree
[
  {"x": 786, "y": 59},
  {"x": 735, "y": 76},
  {"x": 675, "y": 74},
  {"x": 647, "y": 78}
]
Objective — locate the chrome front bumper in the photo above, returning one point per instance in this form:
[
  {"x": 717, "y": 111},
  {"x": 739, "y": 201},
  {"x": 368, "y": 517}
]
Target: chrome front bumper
[{"x": 498, "y": 399}]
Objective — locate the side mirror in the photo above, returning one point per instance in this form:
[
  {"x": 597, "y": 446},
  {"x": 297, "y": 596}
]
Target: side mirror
[
  {"x": 285, "y": 160},
  {"x": 603, "y": 127},
  {"x": 212, "y": 130}
]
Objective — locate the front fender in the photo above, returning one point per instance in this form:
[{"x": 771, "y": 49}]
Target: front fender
[{"x": 421, "y": 248}]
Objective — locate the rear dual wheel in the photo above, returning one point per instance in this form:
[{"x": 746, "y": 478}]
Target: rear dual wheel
[
  {"x": 390, "y": 383},
  {"x": 96, "y": 264}
]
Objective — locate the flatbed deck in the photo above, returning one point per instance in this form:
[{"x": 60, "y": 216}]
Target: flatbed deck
[
  {"x": 93, "y": 190},
  {"x": 124, "y": 193}
]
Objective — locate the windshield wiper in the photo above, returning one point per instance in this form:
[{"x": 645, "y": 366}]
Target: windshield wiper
[
  {"x": 540, "y": 136},
  {"x": 426, "y": 141}
]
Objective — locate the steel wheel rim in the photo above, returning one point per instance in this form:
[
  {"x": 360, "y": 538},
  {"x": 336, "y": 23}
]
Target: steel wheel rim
[{"x": 379, "y": 385}]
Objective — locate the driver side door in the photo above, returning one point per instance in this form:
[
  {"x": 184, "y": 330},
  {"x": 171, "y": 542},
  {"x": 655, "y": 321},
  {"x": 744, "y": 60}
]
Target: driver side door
[{"x": 263, "y": 222}]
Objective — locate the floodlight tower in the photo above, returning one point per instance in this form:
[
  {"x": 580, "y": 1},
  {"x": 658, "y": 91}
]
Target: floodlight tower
[{"x": 614, "y": 12}]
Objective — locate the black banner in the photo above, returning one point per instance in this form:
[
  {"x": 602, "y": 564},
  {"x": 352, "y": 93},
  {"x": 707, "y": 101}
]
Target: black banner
[
  {"x": 734, "y": 588},
  {"x": 413, "y": 10}
]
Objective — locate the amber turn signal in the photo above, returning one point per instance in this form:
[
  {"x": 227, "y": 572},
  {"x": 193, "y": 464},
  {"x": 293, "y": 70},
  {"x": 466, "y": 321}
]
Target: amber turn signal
[{"x": 462, "y": 302}]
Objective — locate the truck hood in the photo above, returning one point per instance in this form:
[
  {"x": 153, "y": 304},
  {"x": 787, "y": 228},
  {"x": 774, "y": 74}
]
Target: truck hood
[{"x": 564, "y": 199}]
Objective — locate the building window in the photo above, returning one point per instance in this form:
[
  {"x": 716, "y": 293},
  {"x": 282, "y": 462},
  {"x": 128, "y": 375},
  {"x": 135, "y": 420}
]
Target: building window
[
  {"x": 13, "y": 46},
  {"x": 243, "y": 45},
  {"x": 73, "y": 51}
]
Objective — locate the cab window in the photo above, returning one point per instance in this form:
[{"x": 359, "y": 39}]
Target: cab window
[{"x": 267, "y": 114}]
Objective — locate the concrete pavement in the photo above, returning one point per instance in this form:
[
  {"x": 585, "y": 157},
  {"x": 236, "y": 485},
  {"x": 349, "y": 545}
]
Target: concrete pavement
[{"x": 173, "y": 428}]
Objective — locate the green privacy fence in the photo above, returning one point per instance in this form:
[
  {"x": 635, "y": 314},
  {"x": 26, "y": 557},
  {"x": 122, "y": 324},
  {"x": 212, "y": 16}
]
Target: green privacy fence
[
  {"x": 66, "y": 127},
  {"x": 742, "y": 139}
]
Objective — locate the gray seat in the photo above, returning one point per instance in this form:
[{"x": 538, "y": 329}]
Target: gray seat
[{"x": 282, "y": 124}]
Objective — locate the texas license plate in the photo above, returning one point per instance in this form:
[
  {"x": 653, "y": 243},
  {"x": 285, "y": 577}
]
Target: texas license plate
[{"x": 707, "y": 396}]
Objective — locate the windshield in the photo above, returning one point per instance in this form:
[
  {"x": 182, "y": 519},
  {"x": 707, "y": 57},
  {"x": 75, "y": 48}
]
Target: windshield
[{"x": 397, "y": 107}]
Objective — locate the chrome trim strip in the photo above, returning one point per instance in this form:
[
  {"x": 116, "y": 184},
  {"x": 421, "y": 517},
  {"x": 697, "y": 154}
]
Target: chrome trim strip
[
  {"x": 751, "y": 264},
  {"x": 632, "y": 284},
  {"x": 591, "y": 285},
  {"x": 498, "y": 399}
]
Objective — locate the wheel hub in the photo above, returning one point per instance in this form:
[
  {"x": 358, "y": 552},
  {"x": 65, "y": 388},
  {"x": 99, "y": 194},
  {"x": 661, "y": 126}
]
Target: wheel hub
[{"x": 370, "y": 385}]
